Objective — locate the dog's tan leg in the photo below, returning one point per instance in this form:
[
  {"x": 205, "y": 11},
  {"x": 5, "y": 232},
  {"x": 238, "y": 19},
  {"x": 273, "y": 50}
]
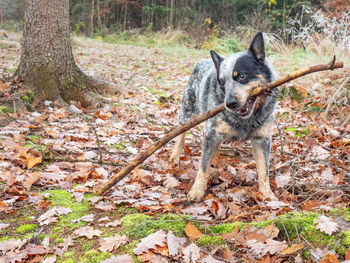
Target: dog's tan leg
[
  {"x": 197, "y": 192},
  {"x": 261, "y": 152},
  {"x": 179, "y": 145}
]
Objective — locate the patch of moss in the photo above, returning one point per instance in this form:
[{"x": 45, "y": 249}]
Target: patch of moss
[
  {"x": 226, "y": 227},
  {"x": 347, "y": 238},
  {"x": 64, "y": 198},
  {"x": 86, "y": 244},
  {"x": 207, "y": 240},
  {"x": 295, "y": 223},
  {"x": 128, "y": 248},
  {"x": 94, "y": 256},
  {"x": 27, "y": 228},
  {"x": 139, "y": 225}
]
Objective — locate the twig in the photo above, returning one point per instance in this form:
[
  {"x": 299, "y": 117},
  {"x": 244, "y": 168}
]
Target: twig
[
  {"x": 285, "y": 230},
  {"x": 335, "y": 94},
  {"x": 267, "y": 88},
  {"x": 71, "y": 160},
  {"x": 203, "y": 117},
  {"x": 281, "y": 138},
  {"x": 97, "y": 140},
  {"x": 347, "y": 119}
]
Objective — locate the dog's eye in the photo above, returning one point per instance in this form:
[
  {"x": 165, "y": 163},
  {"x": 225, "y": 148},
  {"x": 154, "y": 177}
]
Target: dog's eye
[{"x": 242, "y": 76}]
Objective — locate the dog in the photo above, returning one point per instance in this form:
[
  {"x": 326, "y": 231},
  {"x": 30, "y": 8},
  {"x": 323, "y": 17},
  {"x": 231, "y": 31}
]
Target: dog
[{"x": 229, "y": 80}]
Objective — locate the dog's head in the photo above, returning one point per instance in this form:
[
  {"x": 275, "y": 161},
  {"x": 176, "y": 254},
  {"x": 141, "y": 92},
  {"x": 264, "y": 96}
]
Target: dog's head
[{"x": 236, "y": 73}]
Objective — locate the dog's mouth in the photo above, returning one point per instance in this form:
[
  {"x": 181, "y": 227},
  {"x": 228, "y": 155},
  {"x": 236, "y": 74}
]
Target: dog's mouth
[{"x": 247, "y": 108}]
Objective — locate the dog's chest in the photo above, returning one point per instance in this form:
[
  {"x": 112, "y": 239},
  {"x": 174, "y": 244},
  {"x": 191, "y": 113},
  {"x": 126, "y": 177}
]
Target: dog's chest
[{"x": 241, "y": 132}]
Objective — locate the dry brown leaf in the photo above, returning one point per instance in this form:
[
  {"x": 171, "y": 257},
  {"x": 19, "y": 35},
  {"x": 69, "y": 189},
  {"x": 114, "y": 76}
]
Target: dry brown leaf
[
  {"x": 270, "y": 246},
  {"x": 192, "y": 232},
  {"x": 292, "y": 249},
  {"x": 329, "y": 259},
  {"x": 87, "y": 231},
  {"x": 111, "y": 243},
  {"x": 51, "y": 259},
  {"x": 11, "y": 244},
  {"x": 230, "y": 237},
  {"x": 174, "y": 243},
  {"x": 30, "y": 179},
  {"x": 3, "y": 206},
  {"x": 104, "y": 206},
  {"x": 270, "y": 231},
  {"x": 115, "y": 223},
  {"x": 326, "y": 224},
  {"x": 119, "y": 259},
  {"x": 67, "y": 242},
  {"x": 51, "y": 215},
  {"x": 191, "y": 253},
  {"x": 150, "y": 242},
  {"x": 32, "y": 161}
]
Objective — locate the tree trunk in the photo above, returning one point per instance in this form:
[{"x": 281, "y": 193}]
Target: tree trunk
[
  {"x": 125, "y": 14},
  {"x": 98, "y": 14},
  {"x": 92, "y": 17},
  {"x": 172, "y": 13},
  {"x": 47, "y": 64}
]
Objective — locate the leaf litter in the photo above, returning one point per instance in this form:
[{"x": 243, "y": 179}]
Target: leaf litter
[{"x": 309, "y": 165}]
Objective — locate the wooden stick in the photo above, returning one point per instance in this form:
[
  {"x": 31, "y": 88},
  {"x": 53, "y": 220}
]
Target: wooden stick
[
  {"x": 321, "y": 67},
  {"x": 203, "y": 117}
]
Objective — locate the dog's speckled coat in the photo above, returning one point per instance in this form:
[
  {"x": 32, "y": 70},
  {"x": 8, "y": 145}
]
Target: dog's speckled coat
[{"x": 225, "y": 80}]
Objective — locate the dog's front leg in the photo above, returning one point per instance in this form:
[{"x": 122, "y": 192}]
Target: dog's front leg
[
  {"x": 261, "y": 153},
  {"x": 211, "y": 144}
]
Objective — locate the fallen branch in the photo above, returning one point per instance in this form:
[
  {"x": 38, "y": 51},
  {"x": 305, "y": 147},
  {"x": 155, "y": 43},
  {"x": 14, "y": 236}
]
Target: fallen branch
[{"x": 203, "y": 117}]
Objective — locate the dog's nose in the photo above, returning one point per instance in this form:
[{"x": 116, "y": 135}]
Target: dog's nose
[{"x": 231, "y": 103}]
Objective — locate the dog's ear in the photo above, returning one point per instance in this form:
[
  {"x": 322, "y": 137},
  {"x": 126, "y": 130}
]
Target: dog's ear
[
  {"x": 217, "y": 59},
  {"x": 257, "y": 46}
]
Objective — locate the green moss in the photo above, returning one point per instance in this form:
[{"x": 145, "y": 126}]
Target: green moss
[
  {"x": 64, "y": 198},
  {"x": 207, "y": 240},
  {"x": 4, "y": 109},
  {"x": 294, "y": 222},
  {"x": 137, "y": 226},
  {"x": 86, "y": 244},
  {"x": 227, "y": 227},
  {"x": 347, "y": 238},
  {"x": 94, "y": 256},
  {"x": 27, "y": 228},
  {"x": 306, "y": 254},
  {"x": 128, "y": 249}
]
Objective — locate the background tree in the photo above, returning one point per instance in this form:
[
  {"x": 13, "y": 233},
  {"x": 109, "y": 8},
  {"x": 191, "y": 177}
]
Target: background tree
[{"x": 47, "y": 65}]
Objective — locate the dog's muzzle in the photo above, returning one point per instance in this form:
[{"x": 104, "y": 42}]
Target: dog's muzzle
[{"x": 231, "y": 103}]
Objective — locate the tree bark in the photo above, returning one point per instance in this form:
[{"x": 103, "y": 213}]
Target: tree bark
[
  {"x": 92, "y": 17},
  {"x": 47, "y": 64},
  {"x": 98, "y": 14}
]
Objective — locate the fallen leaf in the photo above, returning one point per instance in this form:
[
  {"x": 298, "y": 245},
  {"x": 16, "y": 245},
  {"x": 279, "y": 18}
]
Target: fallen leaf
[
  {"x": 30, "y": 179},
  {"x": 329, "y": 259},
  {"x": 270, "y": 231},
  {"x": 119, "y": 259},
  {"x": 192, "y": 232},
  {"x": 3, "y": 226},
  {"x": 51, "y": 215},
  {"x": 191, "y": 253},
  {"x": 87, "y": 231},
  {"x": 67, "y": 242},
  {"x": 32, "y": 161},
  {"x": 211, "y": 259},
  {"x": 150, "y": 242},
  {"x": 104, "y": 206},
  {"x": 326, "y": 225},
  {"x": 230, "y": 237},
  {"x": 174, "y": 243},
  {"x": 115, "y": 223},
  {"x": 51, "y": 259},
  {"x": 292, "y": 249},
  {"x": 11, "y": 244},
  {"x": 111, "y": 243},
  {"x": 270, "y": 246},
  {"x": 3, "y": 206}
]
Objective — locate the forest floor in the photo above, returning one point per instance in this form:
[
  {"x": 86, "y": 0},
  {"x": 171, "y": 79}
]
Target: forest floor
[{"x": 49, "y": 168}]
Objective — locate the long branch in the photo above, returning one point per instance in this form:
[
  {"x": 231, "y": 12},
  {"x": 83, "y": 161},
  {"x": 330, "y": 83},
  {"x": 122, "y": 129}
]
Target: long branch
[{"x": 203, "y": 117}]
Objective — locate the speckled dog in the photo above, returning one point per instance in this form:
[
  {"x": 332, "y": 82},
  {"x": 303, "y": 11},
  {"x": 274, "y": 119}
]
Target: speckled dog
[{"x": 228, "y": 80}]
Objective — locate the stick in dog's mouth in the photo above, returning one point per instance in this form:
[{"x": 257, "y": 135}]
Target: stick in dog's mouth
[{"x": 247, "y": 107}]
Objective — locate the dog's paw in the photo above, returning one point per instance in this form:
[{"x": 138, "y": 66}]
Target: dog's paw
[{"x": 195, "y": 196}]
